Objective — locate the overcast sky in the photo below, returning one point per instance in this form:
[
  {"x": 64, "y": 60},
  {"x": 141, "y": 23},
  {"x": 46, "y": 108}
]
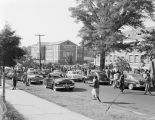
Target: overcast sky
[{"x": 48, "y": 17}]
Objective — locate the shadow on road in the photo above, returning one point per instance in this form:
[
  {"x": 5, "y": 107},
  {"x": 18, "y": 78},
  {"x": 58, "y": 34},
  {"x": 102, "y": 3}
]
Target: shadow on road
[
  {"x": 118, "y": 103},
  {"x": 75, "y": 90},
  {"x": 79, "y": 90},
  {"x": 138, "y": 93}
]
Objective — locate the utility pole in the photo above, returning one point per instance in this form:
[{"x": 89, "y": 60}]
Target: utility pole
[{"x": 39, "y": 35}]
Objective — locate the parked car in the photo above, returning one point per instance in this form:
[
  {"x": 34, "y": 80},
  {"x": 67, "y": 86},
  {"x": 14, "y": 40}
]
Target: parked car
[
  {"x": 34, "y": 77},
  {"x": 102, "y": 77},
  {"x": 131, "y": 81},
  {"x": 134, "y": 81},
  {"x": 59, "y": 83},
  {"x": 10, "y": 74},
  {"x": 58, "y": 73},
  {"x": 48, "y": 81},
  {"x": 75, "y": 75}
]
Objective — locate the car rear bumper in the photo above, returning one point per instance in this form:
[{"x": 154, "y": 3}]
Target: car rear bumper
[{"x": 64, "y": 87}]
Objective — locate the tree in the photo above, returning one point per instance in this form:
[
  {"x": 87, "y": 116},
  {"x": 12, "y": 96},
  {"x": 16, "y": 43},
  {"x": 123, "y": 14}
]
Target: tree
[
  {"x": 28, "y": 62},
  {"x": 103, "y": 21},
  {"x": 69, "y": 59},
  {"x": 9, "y": 50},
  {"x": 122, "y": 64},
  {"x": 147, "y": 45}
]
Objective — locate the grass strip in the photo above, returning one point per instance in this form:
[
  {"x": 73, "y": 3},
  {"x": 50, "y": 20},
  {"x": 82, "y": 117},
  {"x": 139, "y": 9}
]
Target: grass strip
[{"x": 12, "y": 113}]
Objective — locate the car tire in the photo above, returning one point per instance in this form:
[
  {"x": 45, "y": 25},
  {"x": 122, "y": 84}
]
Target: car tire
[
  {"x": 71, "y": 89},
  {"x": 130, "y": 86}
]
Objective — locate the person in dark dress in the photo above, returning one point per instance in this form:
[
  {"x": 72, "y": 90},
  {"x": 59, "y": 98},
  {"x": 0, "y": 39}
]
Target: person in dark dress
[
  {"x": 121, "y": 82},
  {"x": 14, "y": 80}
]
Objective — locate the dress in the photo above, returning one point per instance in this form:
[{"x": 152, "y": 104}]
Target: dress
[{"x": 95, "y": 90}]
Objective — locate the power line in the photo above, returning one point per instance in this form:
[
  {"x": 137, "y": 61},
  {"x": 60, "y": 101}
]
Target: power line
[{"x": 39, "y": 35}]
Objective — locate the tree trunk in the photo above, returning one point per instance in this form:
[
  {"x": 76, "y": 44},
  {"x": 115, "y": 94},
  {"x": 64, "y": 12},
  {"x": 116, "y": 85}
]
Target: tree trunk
[{"x": 102, "y": 60}]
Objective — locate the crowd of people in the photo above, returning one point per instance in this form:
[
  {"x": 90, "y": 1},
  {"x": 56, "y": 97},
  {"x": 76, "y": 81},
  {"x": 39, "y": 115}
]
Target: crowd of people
[{"x": 117, "y": 76}]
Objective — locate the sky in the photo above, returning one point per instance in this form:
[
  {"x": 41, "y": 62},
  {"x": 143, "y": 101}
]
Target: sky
[{"x": 47, "y": 17}]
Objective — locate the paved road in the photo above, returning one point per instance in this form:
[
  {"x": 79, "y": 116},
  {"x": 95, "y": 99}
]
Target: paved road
[{"x": 134, "y": 100}]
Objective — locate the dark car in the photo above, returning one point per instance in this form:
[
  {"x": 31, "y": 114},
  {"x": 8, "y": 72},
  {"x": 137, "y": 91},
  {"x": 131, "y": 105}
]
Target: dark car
[
  {"x": 59, "y": 83},
  {"x": 48, "y": 82},
  {"x": 134, "y": 81},
  {"x": 102, "y": 77}
]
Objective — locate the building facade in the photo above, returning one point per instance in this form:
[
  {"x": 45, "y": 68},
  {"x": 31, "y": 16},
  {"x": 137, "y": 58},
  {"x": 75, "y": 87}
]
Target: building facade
[
  {"x": 61, "y": 52},
  {"x": 134, "y": 59}
]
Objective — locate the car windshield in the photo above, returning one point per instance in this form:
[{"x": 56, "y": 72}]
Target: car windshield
[
  {"x": 136, "y": 76},
  {"x": 101, "y": 75}
]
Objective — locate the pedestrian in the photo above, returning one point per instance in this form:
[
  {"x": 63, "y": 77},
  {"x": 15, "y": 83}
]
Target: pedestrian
[
  {"x": 116, "y": 78},
  {"x": 121, "y": 82},
  {"x": 14, "y": 80},
  {"x": 148, "y": 84},
  {"x": 95, "y": 90},
  {"x": 108, "y": 73}
]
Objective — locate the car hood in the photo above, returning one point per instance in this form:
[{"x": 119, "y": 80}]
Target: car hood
[
  {"x": 34, "y": 75},
  {"x": 63, "y": 80}
]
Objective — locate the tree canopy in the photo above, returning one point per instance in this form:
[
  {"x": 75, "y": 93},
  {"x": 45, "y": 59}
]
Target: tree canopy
[
  {"x": 147, "y": 45},
  {"x": 122, "y": 64},
  {"x": 9, "y": 47},
  {"x": 103, "y": 20}
]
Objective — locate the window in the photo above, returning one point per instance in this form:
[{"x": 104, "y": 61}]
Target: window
[
  {"x": 136, "y": 58},
  {"x": 131, "y": 58},
  {"x": 66, "y": 54},
  {"x": 115, "y": 58},
  {"x": 110, "y": 58}
]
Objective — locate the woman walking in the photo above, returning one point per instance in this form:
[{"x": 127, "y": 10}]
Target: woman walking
[{"x": 95, "y": 90}]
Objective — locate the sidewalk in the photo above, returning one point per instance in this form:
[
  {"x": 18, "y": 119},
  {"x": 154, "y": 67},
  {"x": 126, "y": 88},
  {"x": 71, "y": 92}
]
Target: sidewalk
[{"x": 35, "y": 108}]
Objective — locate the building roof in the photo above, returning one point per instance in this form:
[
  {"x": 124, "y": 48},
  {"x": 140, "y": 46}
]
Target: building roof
[
  {"x": 136, "y": 34},
  {"x": 54, "y": 43}
]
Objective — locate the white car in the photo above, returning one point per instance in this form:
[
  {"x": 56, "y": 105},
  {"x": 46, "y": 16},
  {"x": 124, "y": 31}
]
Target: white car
[
  {"x": 34, "y": 77},
  {"x": 75, "y": 75}
]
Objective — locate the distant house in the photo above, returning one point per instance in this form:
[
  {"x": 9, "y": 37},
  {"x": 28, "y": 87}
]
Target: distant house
[{"x": 57, "y": 52}]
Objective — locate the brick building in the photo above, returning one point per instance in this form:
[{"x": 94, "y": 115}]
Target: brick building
[{"x": 134, "y": 58}]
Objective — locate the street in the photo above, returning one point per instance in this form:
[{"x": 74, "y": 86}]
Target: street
[
  {"x": 134, "y": 100},
  {"x": 80, "y": 100}
]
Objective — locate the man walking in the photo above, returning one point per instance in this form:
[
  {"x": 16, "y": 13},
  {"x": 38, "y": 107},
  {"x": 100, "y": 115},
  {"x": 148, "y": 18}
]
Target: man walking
[{"x": 148, "y": 84}]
